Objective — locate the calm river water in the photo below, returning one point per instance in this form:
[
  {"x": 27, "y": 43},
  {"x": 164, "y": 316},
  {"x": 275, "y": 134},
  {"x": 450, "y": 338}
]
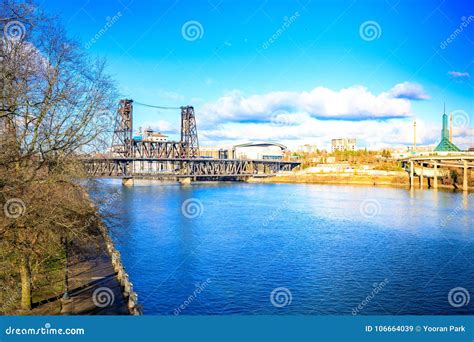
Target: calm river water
[{"x": 238, "y": 248}]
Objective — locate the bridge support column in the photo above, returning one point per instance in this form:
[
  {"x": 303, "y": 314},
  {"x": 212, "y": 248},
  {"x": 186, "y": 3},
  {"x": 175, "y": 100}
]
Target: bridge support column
[
  {"x": 411, "y": 174},
  {"x": 435, "y": 176},
  {"x": 421, "y": 177},
  {"x": 464, "y": 176},
  {"x": 127, "y": 181}
]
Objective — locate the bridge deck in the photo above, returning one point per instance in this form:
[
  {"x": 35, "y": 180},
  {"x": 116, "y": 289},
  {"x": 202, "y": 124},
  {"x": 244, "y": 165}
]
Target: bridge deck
[{"x": 184, "y": 167}]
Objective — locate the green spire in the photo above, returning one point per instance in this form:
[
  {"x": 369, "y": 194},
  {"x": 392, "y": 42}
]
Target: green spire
[{"x": 445, "y": 144}]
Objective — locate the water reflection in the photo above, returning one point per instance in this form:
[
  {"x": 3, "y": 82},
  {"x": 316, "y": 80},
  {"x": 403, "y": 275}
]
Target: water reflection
[{"x": 327, "y": 244}]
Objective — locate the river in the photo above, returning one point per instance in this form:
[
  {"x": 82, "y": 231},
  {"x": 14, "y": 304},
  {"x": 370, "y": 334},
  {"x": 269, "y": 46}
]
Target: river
[{"x": 238, "y": 248}]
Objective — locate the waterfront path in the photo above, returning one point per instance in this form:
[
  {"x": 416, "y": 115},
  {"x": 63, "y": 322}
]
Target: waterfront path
[{"x": 94, "y": 287}]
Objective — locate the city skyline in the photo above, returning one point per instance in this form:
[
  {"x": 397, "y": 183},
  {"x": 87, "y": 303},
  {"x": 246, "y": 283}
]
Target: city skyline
[{"x": 295, "y": 72}]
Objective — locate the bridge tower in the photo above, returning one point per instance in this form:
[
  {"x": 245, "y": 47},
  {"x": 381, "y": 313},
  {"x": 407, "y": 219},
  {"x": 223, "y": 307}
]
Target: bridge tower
[
  {"x": 123, "y": 131},
  {"x": 189, "y": 137}
]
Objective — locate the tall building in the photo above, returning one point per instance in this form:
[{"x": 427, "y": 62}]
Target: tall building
[
  {"x": 343, "y": 144},
  {"x": 445, "y": 144}
]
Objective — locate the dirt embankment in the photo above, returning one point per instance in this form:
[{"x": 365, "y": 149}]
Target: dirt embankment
[
  {"x": 393, "y": 180},
  {"x": 397, "y": 180}
]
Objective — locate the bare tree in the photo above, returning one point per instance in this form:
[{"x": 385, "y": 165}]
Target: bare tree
[{"x": 56, "y": 102}]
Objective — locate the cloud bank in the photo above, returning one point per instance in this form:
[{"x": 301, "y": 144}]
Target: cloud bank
[{"x": 355, "y": 103}]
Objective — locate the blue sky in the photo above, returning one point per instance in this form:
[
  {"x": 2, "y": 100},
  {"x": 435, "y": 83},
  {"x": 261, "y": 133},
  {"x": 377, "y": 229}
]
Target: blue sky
[{"x": 290, "y": 71}]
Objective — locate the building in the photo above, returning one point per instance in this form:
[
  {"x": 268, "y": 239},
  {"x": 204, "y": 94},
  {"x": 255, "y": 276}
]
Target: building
[
  {"x": 152, "y": 136},
  {"x": 263, "y": 150},
  {"x": 343, "y": 144},
  {"x": 307, "y": 148},
  {"x": 446, "y": 145},
  {"x": 213, "y": 152}
]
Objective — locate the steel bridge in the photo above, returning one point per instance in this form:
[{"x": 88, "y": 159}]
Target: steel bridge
[{"x": 129, "y": 158}]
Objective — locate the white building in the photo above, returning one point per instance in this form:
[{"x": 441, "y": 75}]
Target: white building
[
  {"x": 343, "y": 144},
  {"x": 152, "y": 136},
  {"x": 263, "y": 150}
]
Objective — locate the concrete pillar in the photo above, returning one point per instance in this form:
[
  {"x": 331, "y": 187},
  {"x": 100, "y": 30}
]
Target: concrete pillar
[
  {"x": 421, "y": 177},
  {"x": 411, "y": 174},
  {"x": 127, "y": 181},
  {"x": 435, "y": 178},
  {"x": 186, "y": 180},
  {"x": 464, "y": 176}
]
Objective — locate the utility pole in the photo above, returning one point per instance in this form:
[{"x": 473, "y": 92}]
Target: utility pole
[{"x": 414, "y": 136}]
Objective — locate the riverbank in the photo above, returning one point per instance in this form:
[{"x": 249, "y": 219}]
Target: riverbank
[
  {"x": 398, "y": 180},
  {"x": 95, "y": 286},
  {"x": 393, "y": 179},
  {"x": 97, "y": 283}
]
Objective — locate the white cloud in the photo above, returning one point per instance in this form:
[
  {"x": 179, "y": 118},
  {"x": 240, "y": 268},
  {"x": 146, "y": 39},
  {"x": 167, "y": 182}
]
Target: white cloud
[
  {"x": 408, "y": 91},
  {"x": 316, "y": 117},
  {"x": 372, "y": 134},
  {"x": 354, "y": 103},
  {"x": 458, "y": 74},
  {"x": 319, "y": 115}
]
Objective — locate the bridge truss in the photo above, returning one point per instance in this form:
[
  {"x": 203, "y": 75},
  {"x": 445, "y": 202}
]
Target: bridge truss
[
  {"x": 198, "y": 168},
  {"x": 171, "y": 159}
]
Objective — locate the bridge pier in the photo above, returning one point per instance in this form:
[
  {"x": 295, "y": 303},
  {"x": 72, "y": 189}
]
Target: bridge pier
[
  {"x": 464, "y": 176},
  {"x": 185, "y": 181},
  {"x": 421, "y": 177},
  {"x": 435, "y": 176},
  {"x": 411, "y": 174},
  {"x": 128, "y": 181}
]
